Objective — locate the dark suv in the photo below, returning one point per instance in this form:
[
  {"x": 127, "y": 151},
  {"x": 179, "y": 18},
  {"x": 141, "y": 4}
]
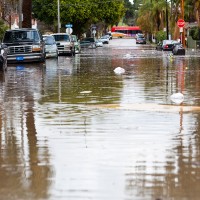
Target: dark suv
[
  {"x": 24, "y": 45},
  {"x": 88, "y": 42}
]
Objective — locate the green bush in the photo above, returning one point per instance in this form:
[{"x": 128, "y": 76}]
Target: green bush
[
  {"x": 3, "y": 28},
  {"x": 160, "y": 36},
  {"x": 194, "y": 33}
]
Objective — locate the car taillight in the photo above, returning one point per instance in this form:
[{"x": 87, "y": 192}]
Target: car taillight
[{"x": 166, "y": 46}]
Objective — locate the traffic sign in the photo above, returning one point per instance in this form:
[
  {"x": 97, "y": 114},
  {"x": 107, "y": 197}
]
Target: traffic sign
[
  {"x": 68, "y": 26},
  {"x": 181, "y": 23}
]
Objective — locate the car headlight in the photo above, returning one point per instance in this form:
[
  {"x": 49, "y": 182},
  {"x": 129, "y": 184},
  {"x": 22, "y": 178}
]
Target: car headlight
[
  {"x": 2, "y": 51},
  {"x": 36, "y": 48}
]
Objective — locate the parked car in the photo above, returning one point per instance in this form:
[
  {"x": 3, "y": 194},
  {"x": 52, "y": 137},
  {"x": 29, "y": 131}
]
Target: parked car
[
  {"x": 110, "y": 35},
  {"x": 140, "y": 39},
  {"x": 3, "y": 57},
  {"x": 64, "y": 43},
  {"x": 178, "y": 49},
  {"x": 104, "y": 39},
  {"x": 118, "y": 35},
  {"x": 88, "y": 42},
  {"x": 166, "y": 45},
  {"x": 159, "y": 46},
  {"x": 77, "y": 45},
  {"x": 51, "y": 49},
  {"x": 99, "y": 43},
  {"x": 24, "y": 45}
]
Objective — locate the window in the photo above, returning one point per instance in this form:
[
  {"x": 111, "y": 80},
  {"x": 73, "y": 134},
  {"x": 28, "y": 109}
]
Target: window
[
  {"x": 16, "y": 36},
  {"x": 62, "y": 38}
]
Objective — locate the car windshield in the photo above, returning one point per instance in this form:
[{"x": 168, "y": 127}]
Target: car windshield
[
  {"x": 17, "y": 36},
  {"x": 49, "y": 40},
  {"x": 61, "y": 38},
  {"x": 169, "y": 41},
  {"x": 89, "y": 39}
]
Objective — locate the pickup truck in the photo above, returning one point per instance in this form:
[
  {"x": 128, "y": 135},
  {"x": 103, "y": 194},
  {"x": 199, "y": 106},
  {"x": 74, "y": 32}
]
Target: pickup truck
[{"x": 64, "y": 43}]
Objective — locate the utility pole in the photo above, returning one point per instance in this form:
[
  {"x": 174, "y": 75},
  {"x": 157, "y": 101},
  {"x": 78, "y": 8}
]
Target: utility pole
[
  {"x": 182, "y": 13},
  {"x": 58, "y": 16},
  {"x": 20, "y": 14},
  {"x": 167, "y": 24}
]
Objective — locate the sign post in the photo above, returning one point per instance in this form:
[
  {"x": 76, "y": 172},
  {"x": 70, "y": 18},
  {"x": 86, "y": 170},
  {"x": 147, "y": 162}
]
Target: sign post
[
  {"x": 69, "y": 29},
  {"x": 181, "y": 24}
]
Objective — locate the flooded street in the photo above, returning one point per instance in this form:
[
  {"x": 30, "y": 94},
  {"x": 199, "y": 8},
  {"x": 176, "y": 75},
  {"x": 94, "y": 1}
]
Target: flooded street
[{"x": 73, "y": 129}]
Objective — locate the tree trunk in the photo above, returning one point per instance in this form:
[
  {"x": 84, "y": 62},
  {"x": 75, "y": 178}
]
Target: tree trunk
[{"x": 27, "y": 13}]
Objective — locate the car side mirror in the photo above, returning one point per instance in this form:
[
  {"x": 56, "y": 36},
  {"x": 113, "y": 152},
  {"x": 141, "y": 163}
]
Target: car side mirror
[{"x": 3, "y": 46}]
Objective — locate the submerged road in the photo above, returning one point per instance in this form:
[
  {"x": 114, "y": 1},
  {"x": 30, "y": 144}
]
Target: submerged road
[{"x": 74, "y": 129}]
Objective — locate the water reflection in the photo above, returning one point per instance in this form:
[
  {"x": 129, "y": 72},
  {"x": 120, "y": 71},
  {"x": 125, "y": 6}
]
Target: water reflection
[
  {"x": 25, "y": 165},
  {"x": 72, "y": 129}
]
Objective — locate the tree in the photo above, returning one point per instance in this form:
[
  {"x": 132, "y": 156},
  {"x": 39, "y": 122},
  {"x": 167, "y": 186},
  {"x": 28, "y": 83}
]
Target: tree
[
  {"x": 27, "y": 14},
  {"x": 197, "y": 11},
  {"x": 3, "y": 28},
  {"x": 79, "y": 13},
  {"x": 131, "y": 12},
  {"x": 152, "y": 16}
]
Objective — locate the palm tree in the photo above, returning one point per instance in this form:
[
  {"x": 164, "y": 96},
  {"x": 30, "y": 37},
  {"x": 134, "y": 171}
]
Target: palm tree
[
  {"x": 152, "y": 15},
  {"x": 197, "y": 11}
]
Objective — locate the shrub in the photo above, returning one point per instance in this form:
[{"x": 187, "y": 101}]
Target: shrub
[
  {"x": 194, "y": 32},
  {"x": 3, "y": 28},
  {"x": 160, "y": 36}
]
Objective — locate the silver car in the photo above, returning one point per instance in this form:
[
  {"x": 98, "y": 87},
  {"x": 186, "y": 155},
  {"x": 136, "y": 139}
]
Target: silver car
[
  {"x": 76, "y": 42},
  {"x": 51, "y": 49},
  {"x": 104, "y": 39}
]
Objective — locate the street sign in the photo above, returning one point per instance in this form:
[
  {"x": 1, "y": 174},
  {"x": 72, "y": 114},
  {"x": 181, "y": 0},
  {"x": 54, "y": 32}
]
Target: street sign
[
  {"x": 68, "y": 26},
  {"x": 69, "y": 30},
  {"x": 181, "y": 23}
]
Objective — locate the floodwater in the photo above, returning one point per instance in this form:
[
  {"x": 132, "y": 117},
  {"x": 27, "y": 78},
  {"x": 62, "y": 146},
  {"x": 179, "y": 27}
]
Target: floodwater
[{"x": 72, "y": 129}]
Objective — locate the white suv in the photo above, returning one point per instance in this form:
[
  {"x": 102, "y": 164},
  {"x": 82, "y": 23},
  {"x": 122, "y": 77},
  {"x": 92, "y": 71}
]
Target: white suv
[{"x": 64, "y": 43}]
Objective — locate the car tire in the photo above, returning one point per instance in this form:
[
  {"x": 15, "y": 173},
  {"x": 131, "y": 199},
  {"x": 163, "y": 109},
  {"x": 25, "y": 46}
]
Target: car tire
[{"x": 43, "y": 57}]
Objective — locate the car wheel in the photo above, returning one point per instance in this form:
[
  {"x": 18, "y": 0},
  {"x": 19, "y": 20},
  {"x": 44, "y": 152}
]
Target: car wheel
[
  {"x": 73, "y": 52},
  {"x": 6, "y": 65},
  {"x": 43, "y": 57}
]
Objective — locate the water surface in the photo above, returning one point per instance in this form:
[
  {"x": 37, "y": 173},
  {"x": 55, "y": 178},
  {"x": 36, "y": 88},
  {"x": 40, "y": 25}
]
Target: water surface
[{"x": 73, "y": 129}]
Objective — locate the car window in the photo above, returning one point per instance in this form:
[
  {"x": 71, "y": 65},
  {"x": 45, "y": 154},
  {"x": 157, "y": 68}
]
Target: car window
[
  {"x": 169, "y": 41},
  {"x": 89, "y": 39},
  {"x": 49, "y": 40},
  {"x": 62, "y": 38},
  {"x": 16, "y": 36},
  {"x": 140, "y": 37}
]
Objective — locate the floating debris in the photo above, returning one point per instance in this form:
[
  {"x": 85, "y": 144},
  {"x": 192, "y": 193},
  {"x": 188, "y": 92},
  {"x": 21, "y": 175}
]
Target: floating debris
[
  {"x": 85, "y": 92},
  {"x": 177, "y": 98},
  {"x": 127, "y": 55},
  {"x": 119, "y": 70}
]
